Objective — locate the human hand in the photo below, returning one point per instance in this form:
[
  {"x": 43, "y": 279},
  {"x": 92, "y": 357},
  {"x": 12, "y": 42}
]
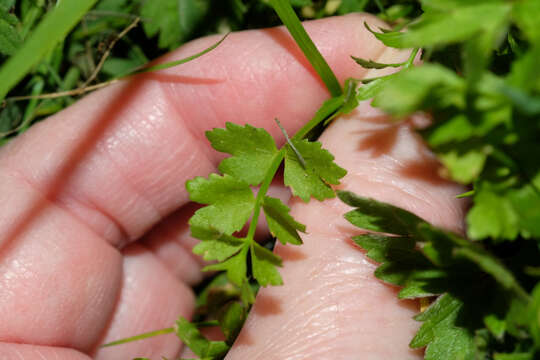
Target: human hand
[{"x": 80, "y": 192}]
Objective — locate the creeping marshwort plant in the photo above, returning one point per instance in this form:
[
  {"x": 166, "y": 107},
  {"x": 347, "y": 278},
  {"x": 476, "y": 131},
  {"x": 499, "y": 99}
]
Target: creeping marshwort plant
[{"x": 480, "y": 81}]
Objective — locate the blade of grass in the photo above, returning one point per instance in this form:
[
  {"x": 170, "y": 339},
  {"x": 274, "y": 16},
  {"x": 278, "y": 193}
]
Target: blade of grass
[
  {"x": 140, "y": 337},
  {"x": 150, "y": 334},
  {"x": 287, "y": 15},
  {"x": 181, "y": 61},
  {"x": 142, "y": 69},
  {"x": 53, "y": 28}
]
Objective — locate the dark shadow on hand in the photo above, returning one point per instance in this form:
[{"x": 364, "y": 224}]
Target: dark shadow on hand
[
  {"x": 267, "y": 305},
  {"x": 182, "y": 79}
]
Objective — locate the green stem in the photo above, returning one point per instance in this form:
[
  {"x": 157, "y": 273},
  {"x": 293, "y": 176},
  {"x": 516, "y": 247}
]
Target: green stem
[
  {"x": 140, "y": 337},
  {"x": 287, "y": 15},
  {"x": 262, "y": 192},
  {"x": 317, "y": 119},
  {"x": 411, "y": 58},
  {"x": 324, "y": 112}
]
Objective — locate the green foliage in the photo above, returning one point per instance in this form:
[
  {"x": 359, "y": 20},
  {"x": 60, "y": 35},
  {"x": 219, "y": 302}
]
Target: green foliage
[
  {"x": 379, "y": 217},
  {"x": 50, "y": 31},
  {"x": 444, "y": 22},
  {"x": 485, "y": 103},
  {"x": 310, "y": 177},
  {"x": 192, "y": 337},
  {"x": 282, "y": 225},
  {"x": 480, "y": 81},
  {"x": 477, "y": 293},
  {"x": 290, "y": 20},
  {"x": 174, "y": 20},
  {"x": 444, "y": 340},
  {"x": 10, "y": 38},
  {"x": 230, "y": 201},
  {"x": 253, "y": 151}
]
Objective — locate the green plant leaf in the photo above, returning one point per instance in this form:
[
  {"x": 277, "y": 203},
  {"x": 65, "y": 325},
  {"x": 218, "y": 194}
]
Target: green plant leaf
[
  {"x": 10, "y": 39},
  {"x": 311, "y": 178},
  {"x": 401, "y": 264},
  {"x": 282, "y": 225},
  {"x": 174, "y": 20},
  {"x": 50, "y": 31},
  {"x": 376, "y": 216},
  {"x": 235, "y": 266},
  {"x": 253, "y": 151},
  {"x": 370, "y": 64},
  {"x": 372, "y": 88},
  {"x": 444, "y": 340},
  {"x": 231, "y": 319},
  {"x": 201, "y": 346},
  {"x": 264, "y": 265},
  {"x": 464, "y": 165},
  {"x": 230, "y": 203},
  {"x": 526, "y": 13},
  {"x": 419, "y": 88},
  {"x": 218, "y": 249},
  {"x": 439, "y": 26},
  {"x": 492, "y": 215}
]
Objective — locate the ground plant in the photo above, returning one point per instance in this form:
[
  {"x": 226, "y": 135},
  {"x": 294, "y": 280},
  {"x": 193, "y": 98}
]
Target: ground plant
[{"x": 479, "y": 81}]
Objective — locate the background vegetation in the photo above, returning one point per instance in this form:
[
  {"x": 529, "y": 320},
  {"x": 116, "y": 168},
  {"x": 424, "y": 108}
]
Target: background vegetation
[{"x": 480, "y": 80}]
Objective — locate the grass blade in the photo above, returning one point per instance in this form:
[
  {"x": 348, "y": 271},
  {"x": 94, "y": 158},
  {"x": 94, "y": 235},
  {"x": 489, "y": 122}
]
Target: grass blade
[
  {"x": 290, "y": 20},
  {"x": 181, "y": 61},
  {"x": 140, "y": 337},
  {"x": 48, "y": 33}
]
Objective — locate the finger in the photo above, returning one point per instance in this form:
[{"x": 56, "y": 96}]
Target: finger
[
  {"x": 24, "y": 351},
  {"x": 151, "y": 299},
  {"x": 118, "y": 160},
  {"x": 172, "y": 243},
  {"x": 331, "y": 306},
  {"x": 105, "y": 170}
]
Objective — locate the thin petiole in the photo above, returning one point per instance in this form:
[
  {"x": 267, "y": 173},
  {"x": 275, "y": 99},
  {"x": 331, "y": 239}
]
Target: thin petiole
[
  {"x": 410, "y": 60},
  {"x": 270, "y": 174},
  {"x": 140, "y": 337}
]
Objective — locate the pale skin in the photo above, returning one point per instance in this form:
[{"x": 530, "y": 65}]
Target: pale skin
[{"x": 94, "y": 244}]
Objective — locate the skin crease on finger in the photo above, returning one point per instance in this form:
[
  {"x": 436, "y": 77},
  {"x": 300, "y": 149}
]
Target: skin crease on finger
[{"x": 78, "y": 188}]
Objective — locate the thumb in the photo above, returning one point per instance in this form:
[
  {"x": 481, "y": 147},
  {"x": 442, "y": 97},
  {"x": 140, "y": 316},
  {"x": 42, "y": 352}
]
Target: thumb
[{"x": 331, "y": 306}]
